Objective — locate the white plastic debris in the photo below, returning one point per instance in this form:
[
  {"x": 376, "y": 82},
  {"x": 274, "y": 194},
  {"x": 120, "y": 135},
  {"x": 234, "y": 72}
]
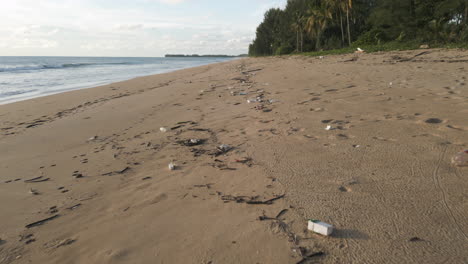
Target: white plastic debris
[
  {"x": 194, "y": 141},
  {"x": 251, "y": 101},
  {"x": 359, "y": 50},
  {"x": 461, "y": 158},
  {"x": 320, "y": 227},
  {"x": 224, "y": 148},
  {"x": 328, "y": 128},
  {"x": 163, "y": 129},
  {"x": 172, "y": 166},
  {"x": 321, "y": 57},
  {"x": 92, "y": 138}
]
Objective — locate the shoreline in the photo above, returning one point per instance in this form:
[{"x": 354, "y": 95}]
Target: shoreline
[
  {"x": 381, "y": 175},
  {"x": 94, "y": 84}
]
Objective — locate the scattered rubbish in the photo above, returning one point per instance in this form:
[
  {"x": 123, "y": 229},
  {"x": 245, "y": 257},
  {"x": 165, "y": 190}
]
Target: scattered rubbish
[
  {"x": 321, "y": 57},
  {"x": 92, "y": 138},
  {"x": 359, "y": 50},
  {"x": 243, "y": 93},
  {"x": 33, "y": 192},
  {"x": 390, "y": 84},
  {"x": 273, "y": 101},
  {"x": 208, "y": 185},
  {"x": 247, "y": 161},
  {"x": 77, "y": 175},
  {"x": 260, "y": 107},
  {"x": 433, "y": 121},
  {"x": 41, "y": 222},
  {"x": 328, "y": 128},
  {"x": 250, "y": 200},
  {"x": 224, "y": 148},
  {"x": 461, "y": 158},
  {"x": 64, "y": 242},
  {"x": 221, "y": 149},
  {"x": 327, "y": 121},
  {"x": 74, "y": 207},
  {"x": 221, "y": 166},
  {"x": 251, "y": 101},
  {"x": 320, "y": 227},
  {"x": 37, "y": 179},
  {"x": 172, "y": 166},
  {"x": 191, "y": 142},
  {"x": 356, "y": 146},
  {"x": 163, "y": 129}
]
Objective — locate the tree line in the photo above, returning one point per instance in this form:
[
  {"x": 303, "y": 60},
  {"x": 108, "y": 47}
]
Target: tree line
[{"x": 313, "y": 25}]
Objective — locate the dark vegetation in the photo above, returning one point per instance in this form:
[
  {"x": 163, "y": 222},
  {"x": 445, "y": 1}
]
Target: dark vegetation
[{"x": 342, "y": 25}]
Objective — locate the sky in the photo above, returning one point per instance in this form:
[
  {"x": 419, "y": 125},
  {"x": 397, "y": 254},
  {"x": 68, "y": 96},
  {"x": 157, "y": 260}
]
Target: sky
[{"x": 134, "y": 28}]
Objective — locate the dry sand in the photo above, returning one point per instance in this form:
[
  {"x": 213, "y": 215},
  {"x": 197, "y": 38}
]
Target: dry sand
[{"x": 382, "y": 177}]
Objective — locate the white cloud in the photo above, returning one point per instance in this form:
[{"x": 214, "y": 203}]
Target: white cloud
[{"x": 118, "y": 28}]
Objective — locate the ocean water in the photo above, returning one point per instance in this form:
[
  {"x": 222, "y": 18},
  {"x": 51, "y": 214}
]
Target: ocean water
[{"x": 28, "y": 77}]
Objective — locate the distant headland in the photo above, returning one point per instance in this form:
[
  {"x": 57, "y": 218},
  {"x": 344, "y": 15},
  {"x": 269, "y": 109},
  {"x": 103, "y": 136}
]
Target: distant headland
[{"x": 211, "y": 56}]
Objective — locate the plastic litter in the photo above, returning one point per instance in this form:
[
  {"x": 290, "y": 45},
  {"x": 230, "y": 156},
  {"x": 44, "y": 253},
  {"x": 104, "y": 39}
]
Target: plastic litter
[
  {"x": 328, "y": 128},
  {"x": 163, "y": 129},
  {"x": 195, "y": 141},
  {"x": 359, "y": 50},
  {"x": 320, "y": 227},
  {"x": 172, "y": 166},
  {"x": 224, "y": 148},
  {"x": 461, "y": 159}
]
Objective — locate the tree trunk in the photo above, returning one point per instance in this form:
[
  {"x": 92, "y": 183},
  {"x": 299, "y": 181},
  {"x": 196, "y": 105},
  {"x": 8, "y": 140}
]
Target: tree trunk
[
  {"x": 302, "y": 41},
  {"x": 317, "y": 43},
  {"x": 466, "y": 13},
  {"x": 297, "y": 40},
  {"x": 349, "y": 31},
  {"x": 342, "y": 30},
  {"x": 412, "y": 8}
]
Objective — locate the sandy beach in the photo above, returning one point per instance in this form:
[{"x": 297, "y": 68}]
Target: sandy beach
[{"x": 93, "y": 164}]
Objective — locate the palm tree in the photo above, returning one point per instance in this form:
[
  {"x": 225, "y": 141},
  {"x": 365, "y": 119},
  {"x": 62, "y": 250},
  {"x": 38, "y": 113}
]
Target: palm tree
[
  {"x": 348, "y": 4},
  {"x": 338, "y": 7},
  {"x": 298, "y": 26},
  {"x": 317, "y": 22}
]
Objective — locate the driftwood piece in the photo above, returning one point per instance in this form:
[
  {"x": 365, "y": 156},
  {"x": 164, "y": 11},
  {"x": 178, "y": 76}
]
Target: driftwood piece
[
  {"x": 41, "y": 222},
  {"x": 37, "y": 179},
  {"x": 117, "y": 172},
  {"x": 254, "y": 70},
  {"x": 249, "y": 200}
]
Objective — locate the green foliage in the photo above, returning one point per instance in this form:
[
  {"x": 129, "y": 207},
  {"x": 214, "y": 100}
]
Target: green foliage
[
  {"x": 315, "y": 25},
  {"x": 284, "y": 49}
]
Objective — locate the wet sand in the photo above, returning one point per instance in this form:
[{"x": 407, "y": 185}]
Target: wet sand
[{"x": 381, "y": 175}]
